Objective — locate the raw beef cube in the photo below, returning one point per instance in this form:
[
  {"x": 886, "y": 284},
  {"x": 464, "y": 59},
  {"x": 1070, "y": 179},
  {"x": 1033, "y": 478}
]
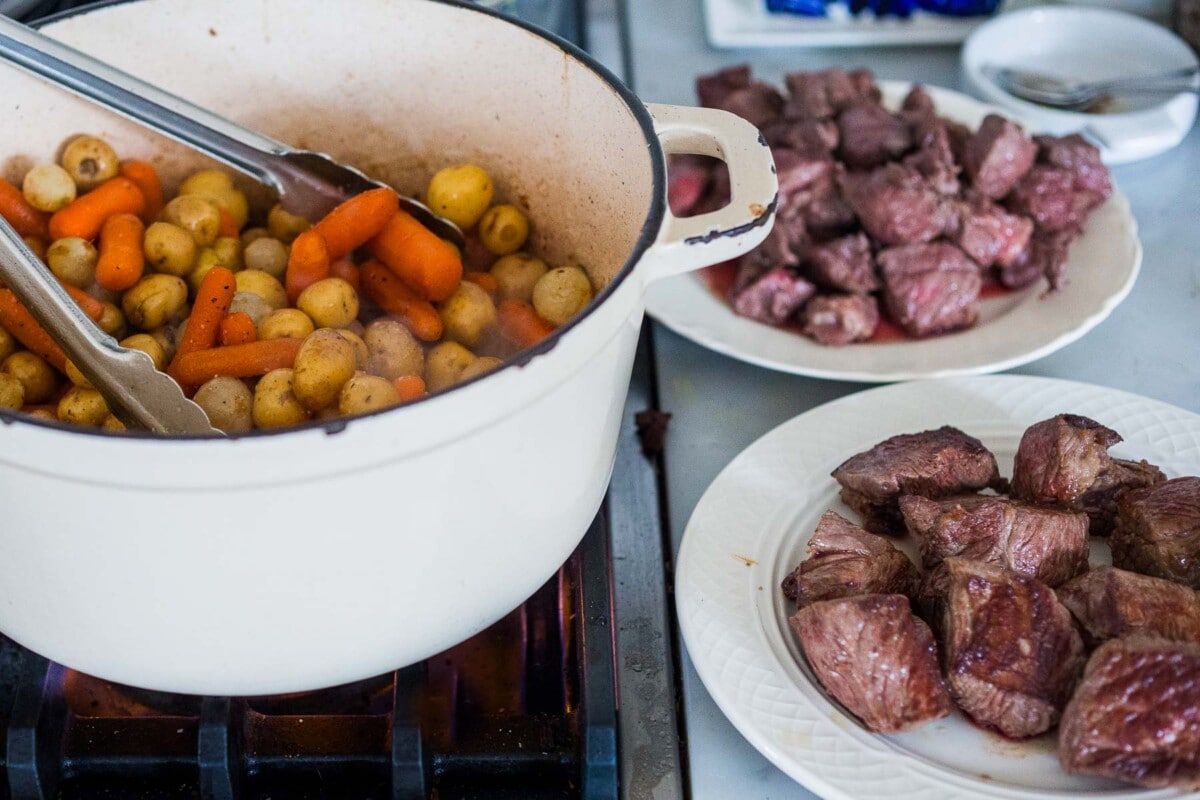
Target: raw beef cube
[
  {"x": 1080, "y": 157},
  {"x": 1110, "y": 603},
  {"x": 837, "y": 319},
  {"x": 990, "y": 235},
  {"x": 1158, "y": 531},
  {"x": 844, "y": 264},
  {"x": 1136, "y": 715},
  {"x": 997, "y": 156},
  {"x": 774, "y": 297},
  {"x": 871, "y": 135},
  {"x": 713, "y": 89},
  {"x": 876, "y": 659},
  {"x": 1012, "y": 654},
  {"x": 895, "y": 204},
  {"x": 930, "y": 288},
  {"x": 1048, "y": 196},
  {"x": 844, "y": 560}
]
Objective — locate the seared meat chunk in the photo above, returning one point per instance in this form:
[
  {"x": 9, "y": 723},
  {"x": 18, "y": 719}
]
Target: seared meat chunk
[
  {"x": 844, "y": 264},
  {"x": 1158, "y": 531},
  {"x": 812, "y": 138},
  {"x": 1042, "y": 543},
  {"x": 918, "y": 102},
  {"x": 1136, "y": 715},
  {"x": 759, "y": 103},
  {"x": 990, "y": 235},
  {"x": 934, "y": 158},
  {"x": 689, "y": 179},
  {"x": 930, "y": 288},
  {"x": 837, "y": 319},
  {"x": 876, "y": 659},
  {"x": 1110, "y": 603},
  {"x": 937, "y": 463},
  {"x": 896, "y": 205},
  {"x": 1048, "y": 196},
  {"x": 713, "y": 89},
  {"x": 1100, "y": 501},
  {"x": 997, "y": 156},
  {"x": 774, "y": 297},
  {"x": 844, "y": 560},
  {"x": 1046, "y": 254},
  {"x": 823, "y": 94},
  {"x": 1012, "y": 653},
  {"x": 1078, "y": 156},
  {"x": 871, "y": 135}
]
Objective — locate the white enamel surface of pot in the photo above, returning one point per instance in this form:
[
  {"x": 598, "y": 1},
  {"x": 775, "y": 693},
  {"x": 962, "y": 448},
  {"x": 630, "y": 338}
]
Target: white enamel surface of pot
[{"x": 291, "y": 561}]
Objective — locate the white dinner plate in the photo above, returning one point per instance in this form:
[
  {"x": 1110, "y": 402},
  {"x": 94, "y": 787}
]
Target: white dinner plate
[
  {"x": 1013, "y": 328},
  {"x": 751, "y": 527}
]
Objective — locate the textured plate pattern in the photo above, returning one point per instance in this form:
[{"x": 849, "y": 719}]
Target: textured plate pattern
[
  {"x": 1013, "y": 329},
  {"x": 751, "y": 527}
]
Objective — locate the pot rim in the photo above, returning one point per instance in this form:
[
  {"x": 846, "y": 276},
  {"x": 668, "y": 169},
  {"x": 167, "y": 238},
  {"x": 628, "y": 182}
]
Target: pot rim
[{"x": 646, "y": 238}]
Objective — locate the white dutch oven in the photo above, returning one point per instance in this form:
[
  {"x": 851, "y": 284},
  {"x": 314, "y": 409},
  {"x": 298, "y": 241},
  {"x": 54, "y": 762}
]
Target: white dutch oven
[{"x": 296, "y": 560}]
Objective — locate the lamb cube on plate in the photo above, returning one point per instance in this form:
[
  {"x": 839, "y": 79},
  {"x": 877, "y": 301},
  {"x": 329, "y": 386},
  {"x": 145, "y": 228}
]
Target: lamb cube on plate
[
  {"x": 1110, "y": 603},
  {"x": 997, "y": 156},
  {"x": 1158, "y": 531},
  {"x": 838, "y": 319},
  {"x": 930, "y": 288}
]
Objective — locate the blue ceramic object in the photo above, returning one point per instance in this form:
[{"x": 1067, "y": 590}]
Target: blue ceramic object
[
  {"x": 806, "y": 8},
  {"x": 888, "y": 8}
]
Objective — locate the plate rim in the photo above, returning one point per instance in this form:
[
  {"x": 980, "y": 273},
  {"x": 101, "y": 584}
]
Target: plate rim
[{"x": 905, "y": 776}]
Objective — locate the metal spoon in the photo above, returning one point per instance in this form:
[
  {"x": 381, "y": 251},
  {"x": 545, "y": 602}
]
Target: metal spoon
[
  {"x": 137, "y": 393},
  {"x": 308, "y": 183},
  {"x": 1048, "y": 90}
]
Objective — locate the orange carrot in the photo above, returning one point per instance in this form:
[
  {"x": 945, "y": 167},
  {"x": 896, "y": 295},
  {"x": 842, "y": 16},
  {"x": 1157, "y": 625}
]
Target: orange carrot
[
  {"x": 355, "y": 221},
  {"x": 146, "y": 177},
  {"x": 238, "y": 328},
  {"x": 229, "y": 228},
  {"x": 121, "y": 261},
  {"x": 26, "y": 219},
  {"x": 236, "y": 361},
  {"x": 430, "y": 267},
  {"x": 347, "y": 270},
  {"x": 90, "y": 305},
  {"x": 389, "y": 293},
  {"x": 520, "y": 323},
  {"x": 307, "y": 263},
  {"x": 483, "y": 280},
  {"x": 17, "y": 320},
  {"x": 409, "y": 387},
  {"x": 86, "y": 214},
  {"x": 204, "y": 325}
]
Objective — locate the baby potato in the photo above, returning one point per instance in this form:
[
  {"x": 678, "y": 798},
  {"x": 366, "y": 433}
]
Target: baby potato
[
  {"x": 149, "y": 345},
  {"x": 480, "y": 366},
  {"x": 169, "y": 249},
  {"x": 561, "y": 294},
  {"x": 503, "y": 229},
  {"x": 112, "y": 320},
  {"x": 111, "y": 423},
  {"x": 275, "y": 403},
  {"x": 361, "y": 353},
  {"x": 44, "y": 414},
  {"x": 217, "y": 186},
  {"x": 205, "y": 262},
  {"x": 460, "y": 194},
  {"x": 197, "y": 215},
  {"x": 39, "y": 378},
  {"x": 8, "y": 345},
  {"x": 12, "y": 392},
  {"x": 73, "y": 261},
  {"x": 392, "y": 349},
  {"x": 323, "y": 365},
  {"x": 75, "y": 376},
  {"x": 154, "y": 301},
  {"x": 251, "y": 235},
  {"x": 229, "y": 250},
  {"x": 356, "y": 328},
  {"x": 48, "y": 187},
  {"x": 167, "y": 340},
  {"x": 445, "y": 364},
  {"x": 265, "y": 286},
  {"x": 252, "y": 304},
  {"x": 284, "y": 226},
  {"x": 228, "y": 402},
  {"x": 285, "y": 323},
  {"x": 81, "y": 406},
  {"x": 467, "y": 313},
  {"x": 90, "y": 162},
  {"x": 330, "y": 303},
  {"x": 516, "y": 275},
  {"x": 266, "y": 255},
  {"x": 363, "y": 393}
]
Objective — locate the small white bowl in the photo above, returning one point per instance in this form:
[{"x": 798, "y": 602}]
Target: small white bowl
[{"x": 1086, "y": 43}]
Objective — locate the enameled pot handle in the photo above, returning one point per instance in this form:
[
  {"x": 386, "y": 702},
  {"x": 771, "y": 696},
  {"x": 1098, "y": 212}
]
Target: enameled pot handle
[{"x": 688, "y": 243}]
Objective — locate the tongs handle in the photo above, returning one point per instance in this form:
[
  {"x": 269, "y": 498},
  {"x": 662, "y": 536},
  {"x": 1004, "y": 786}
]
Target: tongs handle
[{"x": 174, "y": 117}]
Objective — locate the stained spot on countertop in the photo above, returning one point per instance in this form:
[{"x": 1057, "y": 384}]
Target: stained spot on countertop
[
  {"x": 985, "y": 776},
  {"x": 212, "y": 31},
  {"x": 747, "y": 560}
]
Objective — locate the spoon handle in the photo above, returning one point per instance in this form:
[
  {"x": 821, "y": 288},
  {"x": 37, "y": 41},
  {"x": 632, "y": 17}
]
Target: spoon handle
[{"x": 1147, "y": 82}]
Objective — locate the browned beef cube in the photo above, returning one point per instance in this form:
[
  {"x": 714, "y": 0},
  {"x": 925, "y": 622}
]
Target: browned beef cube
[
  {"x": 1012, "y": 653},
  {"x": 1080, "y": 157},
  {"x": 997, "y": 156},
  {"x": 865, "y": 88},
  {"x": 779, "y": 249},
  {"x": 844, "y": 560},
  {"x": 843, "y": 264},
  {"x": 1048, "y": 196},
  {"x": 918, "y": 102},
  {"x": 876, "y": 659},
  {"x": 1043, "y": 543},
  {"x": 1158, "y": 531},
  {"x": 1100, "y": 501},
  {"x": 713, "y": 89},
  {"x": 824, "y": 94},
  {"x": 689, "y": 179},
  {"x": 937, "y": 463},
  {"x": 990, "y": 235},
  {"x": 1045, "y": 255},
  {"x": 759, "y": 103},
  {"x": 930, "y": 288},
  {"x": 810, "y": 137},
  {"x": 871, "y": 135},
  {"x": 1136, "y": 715},
  {"x": 896, "y": 205},
  {"x": 1110, "y": 603},
  {"x": 934, "y": 158},
  {"x": 774, "y": 297},
  {"x": 837, "y": 319}
]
